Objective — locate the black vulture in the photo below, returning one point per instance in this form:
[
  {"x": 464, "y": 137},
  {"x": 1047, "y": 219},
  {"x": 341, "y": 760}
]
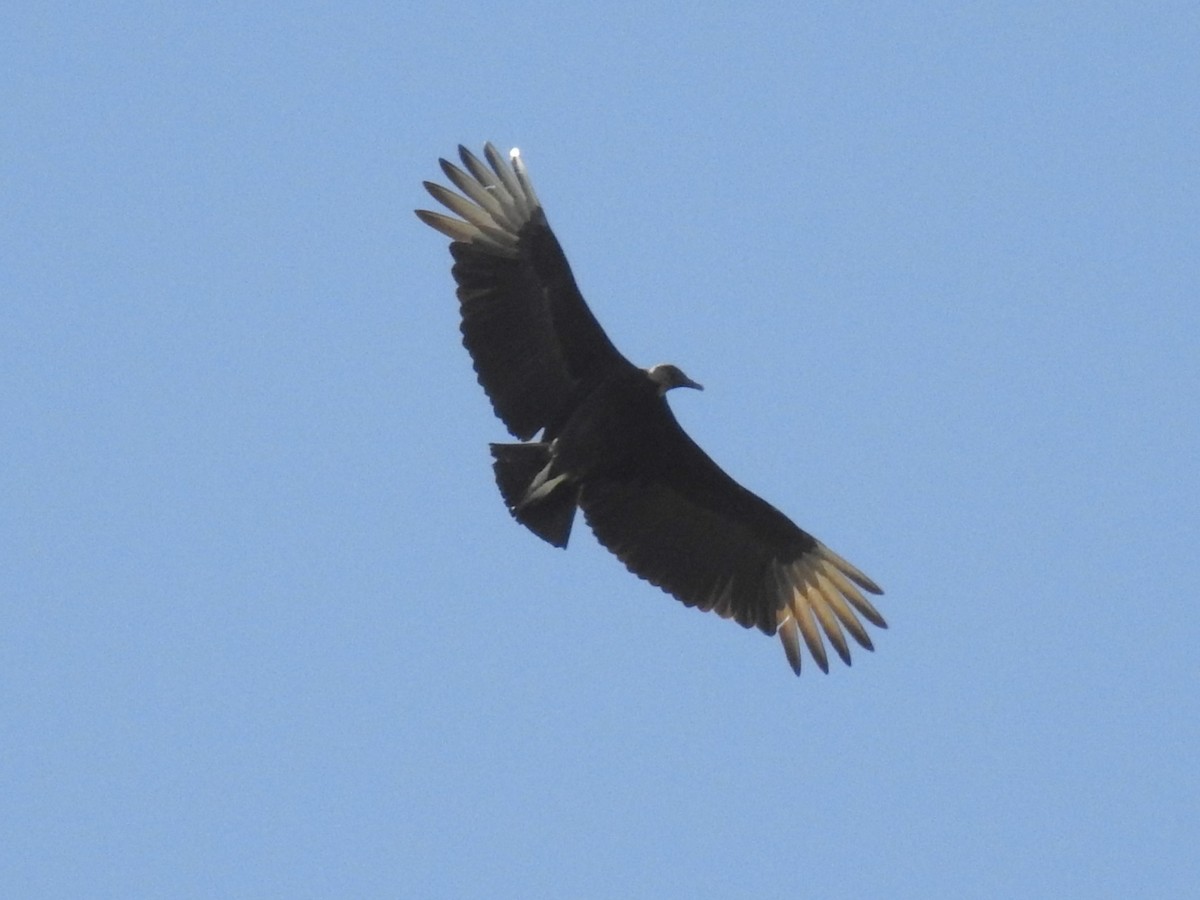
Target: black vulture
[{"x": 597, "y": 434}]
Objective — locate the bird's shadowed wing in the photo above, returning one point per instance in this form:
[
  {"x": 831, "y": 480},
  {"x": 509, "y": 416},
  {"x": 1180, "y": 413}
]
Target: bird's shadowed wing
[
  {"x": 680, "y": 522},
  {"x": 530, "y": 333}
]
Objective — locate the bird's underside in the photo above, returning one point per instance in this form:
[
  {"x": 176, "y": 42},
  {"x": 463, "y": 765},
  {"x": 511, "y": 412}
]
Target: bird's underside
[{"x": 607, "y": 441}]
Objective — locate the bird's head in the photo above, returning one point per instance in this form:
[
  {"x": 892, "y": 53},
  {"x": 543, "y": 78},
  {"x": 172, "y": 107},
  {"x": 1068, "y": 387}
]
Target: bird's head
[{"x": 667, "y": 376}]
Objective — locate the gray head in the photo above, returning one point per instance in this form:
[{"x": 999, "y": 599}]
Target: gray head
[{"x": 667, "y": 376}]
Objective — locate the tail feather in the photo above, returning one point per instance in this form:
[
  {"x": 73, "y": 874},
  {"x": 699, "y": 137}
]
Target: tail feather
[{"x": 547, "y": 513}]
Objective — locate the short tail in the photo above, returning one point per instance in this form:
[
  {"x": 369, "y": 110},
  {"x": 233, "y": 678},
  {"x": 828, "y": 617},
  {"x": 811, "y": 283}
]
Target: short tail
[{"x": 545, "y": 508}]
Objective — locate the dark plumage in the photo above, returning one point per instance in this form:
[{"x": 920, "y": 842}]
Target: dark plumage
[{"x": 609, "y": 443}]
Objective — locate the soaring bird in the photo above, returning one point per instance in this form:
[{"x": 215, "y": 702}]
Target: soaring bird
[{"x": 596, "y": 433}]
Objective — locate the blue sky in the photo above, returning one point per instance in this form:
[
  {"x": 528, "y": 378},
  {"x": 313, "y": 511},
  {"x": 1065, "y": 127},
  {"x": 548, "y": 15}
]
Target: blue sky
[{"x": 267, "y": 629}]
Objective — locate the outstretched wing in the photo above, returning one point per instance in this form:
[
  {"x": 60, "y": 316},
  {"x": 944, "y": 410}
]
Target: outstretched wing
[
  {"x": 531, "y": 335},
  {"x": 679, "y": 521}
]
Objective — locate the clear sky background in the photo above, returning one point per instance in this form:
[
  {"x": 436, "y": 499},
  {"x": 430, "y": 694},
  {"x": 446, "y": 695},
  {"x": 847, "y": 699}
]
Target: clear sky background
[{"x": 267, "y": 629}]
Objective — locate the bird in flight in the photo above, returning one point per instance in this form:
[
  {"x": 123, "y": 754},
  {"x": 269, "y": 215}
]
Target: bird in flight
[{"x": 596, "y": 434}]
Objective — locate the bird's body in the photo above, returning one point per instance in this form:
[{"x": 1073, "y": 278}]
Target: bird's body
[{"x": 607, "y": 441}]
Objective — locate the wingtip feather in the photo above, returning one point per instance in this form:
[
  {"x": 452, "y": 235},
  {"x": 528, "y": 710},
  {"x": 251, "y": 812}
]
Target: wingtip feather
[{"x": 790, "y": 641}]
